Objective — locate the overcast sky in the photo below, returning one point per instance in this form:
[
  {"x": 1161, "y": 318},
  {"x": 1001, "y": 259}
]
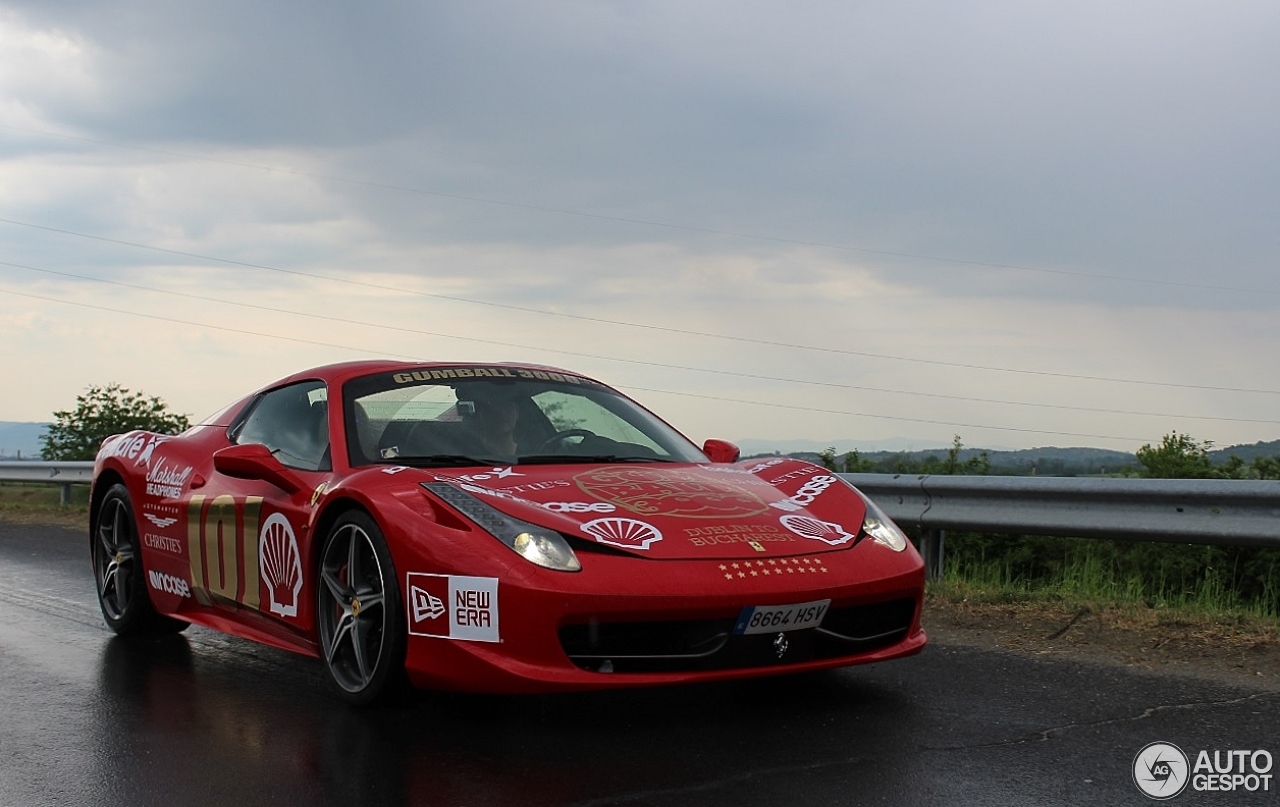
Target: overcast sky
[{"x": 1027, "y": 224}]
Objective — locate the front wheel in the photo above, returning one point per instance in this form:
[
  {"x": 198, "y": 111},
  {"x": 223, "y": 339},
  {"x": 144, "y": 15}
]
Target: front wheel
[
  {"x": 362, "y": 635},
  {"x": 117, "y": 570}
]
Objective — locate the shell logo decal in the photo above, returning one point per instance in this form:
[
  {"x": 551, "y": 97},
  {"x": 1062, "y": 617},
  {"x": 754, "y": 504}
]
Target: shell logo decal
[
  {"x": 824, "y": 531},
  {"x": 623, "y": 532},
  {"x": 281, "y": 564}
]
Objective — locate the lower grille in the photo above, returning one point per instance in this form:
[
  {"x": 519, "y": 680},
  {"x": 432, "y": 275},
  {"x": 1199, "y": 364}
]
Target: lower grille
[{"x": 709, "y": 644}]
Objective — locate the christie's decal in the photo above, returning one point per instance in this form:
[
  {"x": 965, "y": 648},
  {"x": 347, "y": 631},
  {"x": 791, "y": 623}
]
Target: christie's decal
[
  {"x": 623, "y": 532},
  {"x": 453, "y": 607},
  {"x": 807, "y": 470},
  {"x": 281, "y": 564},
  {"x": 669, "y": 492},
  {"x": 162, "y": 543}
]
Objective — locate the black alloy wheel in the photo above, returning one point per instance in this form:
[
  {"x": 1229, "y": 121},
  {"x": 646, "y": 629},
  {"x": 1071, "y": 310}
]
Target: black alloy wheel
[{"x": 118, "y": 571}]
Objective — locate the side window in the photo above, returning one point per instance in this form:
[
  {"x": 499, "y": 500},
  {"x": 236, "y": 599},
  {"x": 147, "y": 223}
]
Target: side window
[{"x": 293, "y": 422}]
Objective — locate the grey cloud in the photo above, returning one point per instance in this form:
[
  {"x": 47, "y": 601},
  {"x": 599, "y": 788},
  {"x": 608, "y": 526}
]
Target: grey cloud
[{"x": 1134, "y": 141}]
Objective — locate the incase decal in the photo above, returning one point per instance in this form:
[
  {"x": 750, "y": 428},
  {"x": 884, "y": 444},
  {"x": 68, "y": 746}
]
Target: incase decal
[
  {"x": 806, "y": 494},
  {"x": 168, "y": 583},
  {"x": 453, "y": 607}
]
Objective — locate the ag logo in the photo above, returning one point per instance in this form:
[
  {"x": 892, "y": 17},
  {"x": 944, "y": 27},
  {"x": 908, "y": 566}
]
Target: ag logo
[{"x": 1160, "y": 770}]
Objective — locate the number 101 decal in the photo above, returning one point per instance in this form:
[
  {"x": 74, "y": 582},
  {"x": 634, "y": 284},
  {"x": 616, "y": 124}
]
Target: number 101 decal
[{"x": 222, "y": 542}]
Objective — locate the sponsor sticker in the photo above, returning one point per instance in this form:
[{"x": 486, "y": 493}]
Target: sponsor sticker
[
  {"x": 453, "y": 607},
  {"x": 578, "y": 507},
  {"x": 824, "y": 531},
  {"x": 806, "y": 494},
  {"x": 483, "y": 372},
  {"x": 492, "y": 473},
  {"x": 750, "y": 534},
  {"x": 162, "y": 543},
  {"x": 281, "y": 564},
  {"x": 623, "y": 532},
  {"x": 168, "y": 583},
  {"x": 670, "y": 492},
  {"x": 160, "y": 521},
  {"x": 166, "y": 481}
]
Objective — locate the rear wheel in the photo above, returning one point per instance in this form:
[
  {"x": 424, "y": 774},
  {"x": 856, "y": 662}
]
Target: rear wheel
[
  {"x": 117, "y": 567},
  {"x": 362, "y": 635}
]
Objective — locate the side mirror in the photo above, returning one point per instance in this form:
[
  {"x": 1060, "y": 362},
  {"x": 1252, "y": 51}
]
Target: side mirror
[
  {"x": 721, "y": 450},
  {"x": 255, "y": 461}
]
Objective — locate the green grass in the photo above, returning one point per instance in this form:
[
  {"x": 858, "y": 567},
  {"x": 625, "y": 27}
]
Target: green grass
[
  {"x": 33, "y": 499},
  {"x": 1091, "y": 573}
]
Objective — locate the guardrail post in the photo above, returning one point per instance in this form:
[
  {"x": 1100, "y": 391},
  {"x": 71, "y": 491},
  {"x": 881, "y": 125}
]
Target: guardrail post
[
  {"x": 931, "y": 542},
  {"x": 65, "y": 498}
]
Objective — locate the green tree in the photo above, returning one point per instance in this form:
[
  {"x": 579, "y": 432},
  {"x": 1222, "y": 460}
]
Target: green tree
[
  {"x": 1179, "y": 456},
  {"x": 851, "y": 463},
  {"x": 1266, "y": 467},
  {"x": 102, "y": 412}
]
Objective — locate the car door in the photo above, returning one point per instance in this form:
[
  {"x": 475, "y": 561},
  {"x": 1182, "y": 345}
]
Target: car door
[{"x": 248, "y": 536}]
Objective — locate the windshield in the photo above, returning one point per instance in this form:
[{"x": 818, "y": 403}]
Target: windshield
[{"x": 500, "y": 415}]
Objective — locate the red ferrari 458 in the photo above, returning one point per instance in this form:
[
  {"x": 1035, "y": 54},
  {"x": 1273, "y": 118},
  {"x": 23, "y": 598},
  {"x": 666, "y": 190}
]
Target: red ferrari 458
[{"x": 493, "y": 527}]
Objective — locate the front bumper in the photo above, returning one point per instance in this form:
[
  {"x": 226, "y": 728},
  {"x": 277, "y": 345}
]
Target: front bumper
[{"x": 627, "y": 622}]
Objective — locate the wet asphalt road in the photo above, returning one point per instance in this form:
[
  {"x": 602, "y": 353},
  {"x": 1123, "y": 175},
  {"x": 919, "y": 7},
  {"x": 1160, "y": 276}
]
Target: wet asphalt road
[{"x": 207, "y": 720}]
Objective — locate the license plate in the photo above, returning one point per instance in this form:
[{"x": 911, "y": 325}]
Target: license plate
[{"x": 780, "y": 618}]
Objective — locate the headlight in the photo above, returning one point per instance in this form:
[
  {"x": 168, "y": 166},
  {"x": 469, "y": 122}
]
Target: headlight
[
  {"x": 881, "y": 528},
  {"x": 538, "y": 545}
]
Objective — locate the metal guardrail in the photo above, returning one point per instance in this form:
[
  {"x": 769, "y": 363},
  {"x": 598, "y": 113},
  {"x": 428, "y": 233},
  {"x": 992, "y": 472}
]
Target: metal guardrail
[
  {"x": 58, "y": 473},
  {"x": 1221, "y": 512}
]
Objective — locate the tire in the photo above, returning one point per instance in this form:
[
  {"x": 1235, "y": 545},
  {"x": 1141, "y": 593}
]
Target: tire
[
  {"x": 358, "y": 614},
  {"x": 118, "y": 571}
]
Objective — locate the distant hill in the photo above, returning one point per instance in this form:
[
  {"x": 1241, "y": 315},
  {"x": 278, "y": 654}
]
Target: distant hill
[
  {"x": 20, "y": 440},
  {"x": 1246, "y": 453},
  {"x": 1048, "y": 461}
]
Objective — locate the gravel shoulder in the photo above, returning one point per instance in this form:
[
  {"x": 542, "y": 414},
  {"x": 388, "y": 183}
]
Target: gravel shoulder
[{"x": 1232, "y": 650}]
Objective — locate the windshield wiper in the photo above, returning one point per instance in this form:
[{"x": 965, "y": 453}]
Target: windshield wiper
[
  {"x": 556, "y": 459},
  {"x": 441, "y": 461}
]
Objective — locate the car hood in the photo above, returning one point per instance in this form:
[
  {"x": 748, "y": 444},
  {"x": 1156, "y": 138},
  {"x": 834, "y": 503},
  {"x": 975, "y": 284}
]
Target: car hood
[{"x": 749, "y": 509}]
